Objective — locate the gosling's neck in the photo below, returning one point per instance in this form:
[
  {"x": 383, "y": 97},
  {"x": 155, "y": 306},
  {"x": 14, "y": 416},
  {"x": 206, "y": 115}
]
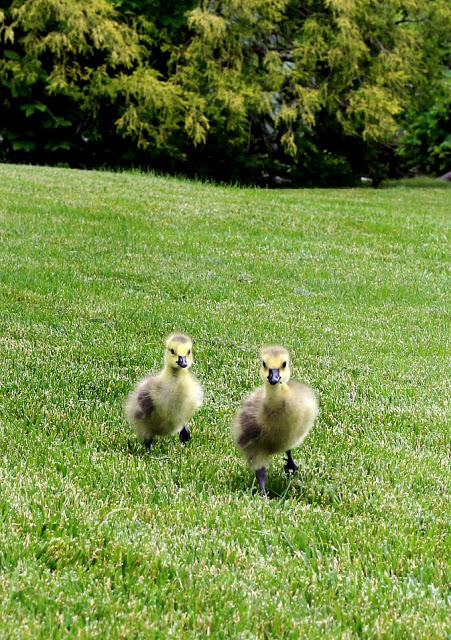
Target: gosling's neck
[
  {"x": 275, "y": 393},
  {"x": 173, "y": 373}
]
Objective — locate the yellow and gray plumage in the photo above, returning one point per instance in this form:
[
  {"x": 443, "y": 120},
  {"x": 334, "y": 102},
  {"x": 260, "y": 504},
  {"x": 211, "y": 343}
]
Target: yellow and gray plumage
[
  {"x": 276, "y": 417},
  {"x": 161, "y": 404}
]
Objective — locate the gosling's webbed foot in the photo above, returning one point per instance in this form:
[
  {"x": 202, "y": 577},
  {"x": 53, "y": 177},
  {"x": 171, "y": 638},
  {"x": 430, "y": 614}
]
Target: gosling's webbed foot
[
  {"x": 261, "y": 477},
  {"x": 148, "y": 443},
  {"x": 185, "y": 434},
  {"x": 291, "y": 466}
]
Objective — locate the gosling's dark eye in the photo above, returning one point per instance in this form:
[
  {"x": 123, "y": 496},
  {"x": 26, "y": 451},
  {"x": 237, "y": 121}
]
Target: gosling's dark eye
[
  {"x": 189, "y": 351},
  {"x": 264, "y": 365},
  {"x": 172, "y": 351},
  {"x": 284, "y": 365}
]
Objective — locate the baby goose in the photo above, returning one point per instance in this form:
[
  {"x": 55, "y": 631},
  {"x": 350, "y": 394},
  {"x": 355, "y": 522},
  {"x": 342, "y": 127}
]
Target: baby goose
[
  {"x": 160, "y": 405},
  {"x": 276, "y": 417}
]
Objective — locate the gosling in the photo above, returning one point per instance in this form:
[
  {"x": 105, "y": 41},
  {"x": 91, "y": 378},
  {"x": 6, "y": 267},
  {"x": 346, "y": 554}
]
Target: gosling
[
  {"x": 161, "y": 405},
  {"x": 276, "y": 417}
]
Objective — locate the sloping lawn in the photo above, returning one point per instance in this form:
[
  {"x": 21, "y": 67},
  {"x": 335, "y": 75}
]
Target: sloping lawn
[{"x": 99, "y": 539}]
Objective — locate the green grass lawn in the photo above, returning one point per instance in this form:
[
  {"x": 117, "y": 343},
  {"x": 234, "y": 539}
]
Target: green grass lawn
[{"x": 99, "y": 539}]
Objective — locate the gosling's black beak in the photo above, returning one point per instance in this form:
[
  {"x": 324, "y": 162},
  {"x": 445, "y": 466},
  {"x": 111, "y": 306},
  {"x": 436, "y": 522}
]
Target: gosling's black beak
[
  {"x": 181, "y": 361},
  {"x": 273, "y": 376}
]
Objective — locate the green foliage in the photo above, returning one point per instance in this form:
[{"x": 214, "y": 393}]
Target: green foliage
[
  {"x": 270, "y": 91},
  {"x": 77, "y": 65},
  {"x": 426, "y": 143},
  {"x": 59, "y": 69}
]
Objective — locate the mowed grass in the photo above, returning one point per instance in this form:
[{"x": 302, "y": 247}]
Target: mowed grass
[{"x": 99, "y": 539}]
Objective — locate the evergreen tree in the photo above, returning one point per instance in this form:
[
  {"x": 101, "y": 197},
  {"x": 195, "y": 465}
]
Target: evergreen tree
[{"x": 269, "y": 91}]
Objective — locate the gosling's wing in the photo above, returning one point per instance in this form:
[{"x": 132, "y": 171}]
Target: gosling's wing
[
  {"x": 304, "y": 397},
  {"x": 247, "y": 429},
  {"x": 146, "y": 405},
  {"x": 301, "y": 390}
]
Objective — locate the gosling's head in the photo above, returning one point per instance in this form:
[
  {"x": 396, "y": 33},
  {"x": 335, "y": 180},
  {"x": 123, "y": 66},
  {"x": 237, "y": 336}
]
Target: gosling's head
[
  {"x": 179, "y": 351},
  {"x": 275, "y": 365}
]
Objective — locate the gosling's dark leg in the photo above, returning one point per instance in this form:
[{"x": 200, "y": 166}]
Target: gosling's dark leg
[
  {"x": 291, "y": 464},
  {"x": 148, "y": 442},
  {"x": 261, "y": 477},
  {"x": 185, "y": 434}
]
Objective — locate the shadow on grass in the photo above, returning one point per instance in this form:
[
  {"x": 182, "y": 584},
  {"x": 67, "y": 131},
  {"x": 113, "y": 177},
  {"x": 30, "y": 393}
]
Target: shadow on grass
[
  {"x": 309, "y": 485},
  {"x": 279, "y": 485},
  {"x": 300, "y": 487},
  {"x": 130, "y": 445}
]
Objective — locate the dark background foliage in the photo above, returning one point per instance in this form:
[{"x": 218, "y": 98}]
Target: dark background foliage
[{"x": 269, "y": 92}]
